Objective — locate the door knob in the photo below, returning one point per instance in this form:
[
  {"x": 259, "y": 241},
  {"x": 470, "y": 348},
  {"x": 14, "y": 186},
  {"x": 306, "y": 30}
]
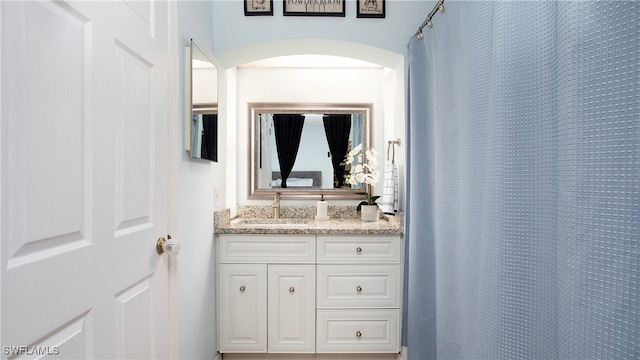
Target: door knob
[{"x": 168, "y": 245}]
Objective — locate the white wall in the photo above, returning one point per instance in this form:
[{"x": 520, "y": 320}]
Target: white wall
[
  {"x": 241, "y": 39},
  {"x": 233, "y": 30},
  {"x": 304, "y": 85},
  {"x": 205, "y": 86},
  {"x": 196, "y": 180}
]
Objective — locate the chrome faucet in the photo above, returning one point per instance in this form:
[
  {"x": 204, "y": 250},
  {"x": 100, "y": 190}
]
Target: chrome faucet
[{"x": 276, "y": 206}]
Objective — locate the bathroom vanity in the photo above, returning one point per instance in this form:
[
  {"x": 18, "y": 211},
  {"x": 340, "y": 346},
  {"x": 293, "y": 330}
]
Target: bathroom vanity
[{"x": 317, "y": 289}]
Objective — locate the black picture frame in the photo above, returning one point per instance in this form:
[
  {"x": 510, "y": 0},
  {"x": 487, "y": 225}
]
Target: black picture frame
[
  {"x": 307, "y": 8},
  {"x": 258, "y": 7},
  {"x": 371, "y": 8}
]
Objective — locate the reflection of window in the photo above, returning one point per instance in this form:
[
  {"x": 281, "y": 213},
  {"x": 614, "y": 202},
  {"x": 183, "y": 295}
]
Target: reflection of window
[
  {"x": 204, "y": 131},
  {"x": 313, "y": 155},
  {"x": 196, "y": 128}
]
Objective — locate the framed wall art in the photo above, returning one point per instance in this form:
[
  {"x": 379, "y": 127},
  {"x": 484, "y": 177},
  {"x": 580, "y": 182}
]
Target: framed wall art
[
  {"x": 314, "y": 8},
  {"x": 370, "y": 8},
  {"x": 258, "y": 7}
]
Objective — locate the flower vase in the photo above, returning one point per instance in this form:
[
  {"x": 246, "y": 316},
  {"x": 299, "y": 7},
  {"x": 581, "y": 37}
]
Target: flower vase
[{"x": 369, "y": 213}]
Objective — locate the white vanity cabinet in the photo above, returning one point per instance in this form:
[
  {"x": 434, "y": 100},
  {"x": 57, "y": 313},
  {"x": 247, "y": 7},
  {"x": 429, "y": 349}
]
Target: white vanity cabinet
[
  {"x": 266, "y": 293},
  {"x": 358, "y": 293},
  {"x": 309, "y": 294}
]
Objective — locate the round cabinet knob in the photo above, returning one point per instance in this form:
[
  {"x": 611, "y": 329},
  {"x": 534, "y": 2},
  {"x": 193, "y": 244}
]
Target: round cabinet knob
[
  {"x": 358, "y": 288},
  {"x": 292, "y": 289},
  {"x": 358, "y": 249},
  {"x": 242, "y": 288},
  {"x": 358, "y": 333}
]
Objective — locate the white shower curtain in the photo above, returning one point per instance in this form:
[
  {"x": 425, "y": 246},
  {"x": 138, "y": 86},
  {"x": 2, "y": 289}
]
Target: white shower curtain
[{"x": 523, "y": 219}]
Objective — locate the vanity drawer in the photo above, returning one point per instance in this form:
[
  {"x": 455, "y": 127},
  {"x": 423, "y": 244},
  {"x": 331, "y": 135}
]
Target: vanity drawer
[
  {"x": 359, "y": 249},
  {"x": 354, "y": 331},
  {"x": 266, "y": 248},
  {"x": 358, "y": 286}
]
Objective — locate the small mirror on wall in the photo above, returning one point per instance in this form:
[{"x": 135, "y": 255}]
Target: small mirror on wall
[{"x": 201, "y": 126}]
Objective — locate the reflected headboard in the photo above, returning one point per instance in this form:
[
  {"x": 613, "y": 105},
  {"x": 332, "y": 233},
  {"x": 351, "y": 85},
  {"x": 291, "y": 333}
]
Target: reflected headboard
[{"x": 316, "y": 176}]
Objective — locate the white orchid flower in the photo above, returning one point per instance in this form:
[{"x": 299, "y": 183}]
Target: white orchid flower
[
  {"x": 371, "y": 153},
  {"x": 361, "y": 172},
  {"x": 348, "y": 160},
  {"x": 355, "y": 151},
  {"x": 373, "y": 162}
]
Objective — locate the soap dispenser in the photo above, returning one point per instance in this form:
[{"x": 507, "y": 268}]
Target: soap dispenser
[{"x": 321, "y": 212}]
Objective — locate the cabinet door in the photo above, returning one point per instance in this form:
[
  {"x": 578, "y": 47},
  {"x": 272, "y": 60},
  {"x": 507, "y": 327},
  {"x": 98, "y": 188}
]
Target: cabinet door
[
  {"x": 243, "y": 308},
  {"x": 291, "y": 309}
]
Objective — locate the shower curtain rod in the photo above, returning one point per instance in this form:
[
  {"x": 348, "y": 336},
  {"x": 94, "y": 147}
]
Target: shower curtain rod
[{"x": 427, "y": 22}]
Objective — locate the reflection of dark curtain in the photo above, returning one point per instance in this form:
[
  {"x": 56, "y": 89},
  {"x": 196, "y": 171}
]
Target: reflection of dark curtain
[
  {"x": 337, "y": 128},
  {"x": 209, "y": 149},
  {"x": 288, "y": 130}
]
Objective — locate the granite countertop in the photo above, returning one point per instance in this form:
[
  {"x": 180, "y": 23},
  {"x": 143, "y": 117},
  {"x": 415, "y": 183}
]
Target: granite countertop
[{"x": 300, "y": 220}]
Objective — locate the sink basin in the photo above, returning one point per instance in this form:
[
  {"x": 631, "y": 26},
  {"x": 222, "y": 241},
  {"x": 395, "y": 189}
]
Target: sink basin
[{"x": 273, "y": 222}]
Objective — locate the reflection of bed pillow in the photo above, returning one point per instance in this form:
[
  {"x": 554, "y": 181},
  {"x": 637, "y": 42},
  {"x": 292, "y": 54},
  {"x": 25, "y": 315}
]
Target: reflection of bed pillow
[
  {"x": 276, "y": 183},
  {"x": 299, "y": 182}
]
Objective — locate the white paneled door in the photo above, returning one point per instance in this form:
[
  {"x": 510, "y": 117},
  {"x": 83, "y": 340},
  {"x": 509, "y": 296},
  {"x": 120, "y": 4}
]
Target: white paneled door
[{"x": 84, "y": 178}]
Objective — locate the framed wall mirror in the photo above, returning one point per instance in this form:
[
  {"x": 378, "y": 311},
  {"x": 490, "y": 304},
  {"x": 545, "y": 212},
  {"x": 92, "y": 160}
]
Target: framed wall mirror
[
  {"x": 201, "y": 124},
  {"x": 298, "y": 150}
]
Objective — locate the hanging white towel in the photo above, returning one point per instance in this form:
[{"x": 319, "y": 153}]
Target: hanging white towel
[{"x": 390, "y": 191}]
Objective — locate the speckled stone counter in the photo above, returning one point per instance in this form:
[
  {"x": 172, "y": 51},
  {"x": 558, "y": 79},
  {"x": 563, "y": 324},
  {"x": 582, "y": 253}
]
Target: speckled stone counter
[{"x": 343, "y": 220}]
